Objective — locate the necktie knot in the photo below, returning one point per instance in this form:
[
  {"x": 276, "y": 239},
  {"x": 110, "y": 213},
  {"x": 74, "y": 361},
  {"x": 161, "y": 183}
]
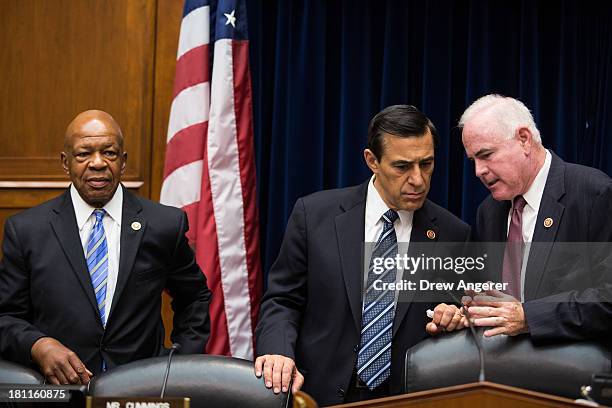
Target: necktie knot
[
  {"x": 519, "y": 203},
  {"x": 99, "y": 213},
  {"x": 390, "y": 216}
]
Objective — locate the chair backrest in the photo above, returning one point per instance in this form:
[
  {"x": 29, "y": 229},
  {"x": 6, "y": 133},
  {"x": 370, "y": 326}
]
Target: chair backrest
[
  {"x": 452, "y": 359},
  {"x": 210, "y": 381},
  {"x": 12, "y": 373}
]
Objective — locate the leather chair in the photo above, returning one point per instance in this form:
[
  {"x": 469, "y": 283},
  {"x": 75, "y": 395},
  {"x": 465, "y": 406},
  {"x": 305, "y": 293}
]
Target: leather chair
[
  {"x": 210, "y": 381},
  {"x": 452, "y": 359},
  {"x": 11, "y": 373}
]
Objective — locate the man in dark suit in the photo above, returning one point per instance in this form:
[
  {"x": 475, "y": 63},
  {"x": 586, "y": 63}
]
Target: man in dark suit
[
  {"x": 82, "y": 274},
  {"x": 538, "y": 202},
  {"x": 314, "y": 315}
]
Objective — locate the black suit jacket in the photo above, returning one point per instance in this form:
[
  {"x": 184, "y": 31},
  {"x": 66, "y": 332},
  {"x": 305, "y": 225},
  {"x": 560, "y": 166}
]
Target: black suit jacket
[
  {"x": 564, "y": 298},
  {"x": 311, "y": 310},
  {"x": 45, "y": 288}
]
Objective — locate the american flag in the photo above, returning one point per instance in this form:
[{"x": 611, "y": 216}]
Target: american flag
[{"x": 210, "y": 166}]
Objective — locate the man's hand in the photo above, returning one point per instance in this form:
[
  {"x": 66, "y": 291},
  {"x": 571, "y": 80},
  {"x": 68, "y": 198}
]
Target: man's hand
[
  {"x": 278, "y": 371},
  {"x": 446, "y": 318},
  {"x": 500, "y": 311},
  {"x": 59, "y": 364}
]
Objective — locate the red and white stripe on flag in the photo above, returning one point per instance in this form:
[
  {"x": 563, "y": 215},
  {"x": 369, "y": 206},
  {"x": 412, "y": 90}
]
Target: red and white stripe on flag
[{"x": 210, "y": 167}]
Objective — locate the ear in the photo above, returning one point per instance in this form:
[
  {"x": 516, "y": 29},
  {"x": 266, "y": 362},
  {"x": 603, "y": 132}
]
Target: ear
[
  {"x": 64, "y": 160},
  {"x": 371, "y": 160},
  {"x": 525, "y": 138},
  {"x": 124, "y": 164}
]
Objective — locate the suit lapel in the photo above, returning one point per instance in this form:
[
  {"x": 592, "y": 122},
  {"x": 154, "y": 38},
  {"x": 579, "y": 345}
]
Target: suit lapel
[
  {"x": 499, "y": 222},
  {"x": 132, "y": 229},
  {"x": 543, "y": 238},
  {"x": 67, "y": 233},
  {"x": 422, "y": 228},
  {"x": 350, "y": 225},
  {"x": 494, "y": 242}
]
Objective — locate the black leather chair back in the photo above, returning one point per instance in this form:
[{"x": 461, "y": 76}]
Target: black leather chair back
[
  {"x": 210, "y": 381},
  {"x": 11, "y": 373},
  {"x": 452, "y": 359}
]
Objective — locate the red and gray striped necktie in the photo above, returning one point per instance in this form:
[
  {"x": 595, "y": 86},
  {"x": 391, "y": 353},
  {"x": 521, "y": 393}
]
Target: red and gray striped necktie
[{"x": 513, "y": 254}]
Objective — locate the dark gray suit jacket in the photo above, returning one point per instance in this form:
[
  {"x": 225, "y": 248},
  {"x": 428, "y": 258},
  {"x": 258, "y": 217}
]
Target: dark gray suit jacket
[
  {"x": 567, "y": 296},
  {"x": 45, "y": 288},
  {"x": 311, "y": 310}
]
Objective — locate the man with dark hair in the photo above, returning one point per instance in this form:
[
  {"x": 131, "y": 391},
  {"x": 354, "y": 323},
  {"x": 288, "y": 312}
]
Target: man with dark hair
[
  {"x": 82, "y": 274},
  {"x": 398, "y": 120},
  {"x": 317, "y": 326}
]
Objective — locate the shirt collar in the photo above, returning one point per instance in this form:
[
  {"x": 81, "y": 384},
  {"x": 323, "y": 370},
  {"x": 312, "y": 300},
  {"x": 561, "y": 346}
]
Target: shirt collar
[
  {"x": 533, "y": 196},
  {"x": 377, "y": 207},
  {"x": 83, "y": 211}
]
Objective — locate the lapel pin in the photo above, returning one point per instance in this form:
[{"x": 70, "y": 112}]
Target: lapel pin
[
  {"x": 431, "y": 234},
  {"x": 136, "y": 226},
  {"x": 548, "y": 222}
]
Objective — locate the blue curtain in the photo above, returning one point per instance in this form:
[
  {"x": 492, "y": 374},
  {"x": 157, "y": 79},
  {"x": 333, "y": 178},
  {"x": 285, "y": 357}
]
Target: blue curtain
[{"x": 322, "y": 69}]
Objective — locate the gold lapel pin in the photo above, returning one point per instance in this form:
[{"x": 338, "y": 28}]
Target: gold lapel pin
[
  {"x": 548, "y": 222},
  {"x": 136, "y": 226},
  {"x": 431, "y": 234}
]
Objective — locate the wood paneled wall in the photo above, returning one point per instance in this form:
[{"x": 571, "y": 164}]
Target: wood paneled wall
[{"x": 60, "y": 57}]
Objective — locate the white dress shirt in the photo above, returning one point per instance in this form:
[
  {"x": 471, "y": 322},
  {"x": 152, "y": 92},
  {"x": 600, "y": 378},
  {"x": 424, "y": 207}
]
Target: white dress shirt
[
  {"x": 533, "y": 197},
  {"x": 112, "y": 229},
  {"x": 375, "y": 208}
]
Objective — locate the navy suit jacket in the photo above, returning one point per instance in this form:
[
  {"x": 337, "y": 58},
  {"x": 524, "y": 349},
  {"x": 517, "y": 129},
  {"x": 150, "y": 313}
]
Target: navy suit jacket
[
  {"x": 311, "y": 311},
  {"x": 564, "y": 299},
  {"x": 45, "y": 288}
]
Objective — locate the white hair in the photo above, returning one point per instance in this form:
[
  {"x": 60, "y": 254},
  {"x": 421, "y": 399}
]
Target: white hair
[{"x": 505, "y": 114}]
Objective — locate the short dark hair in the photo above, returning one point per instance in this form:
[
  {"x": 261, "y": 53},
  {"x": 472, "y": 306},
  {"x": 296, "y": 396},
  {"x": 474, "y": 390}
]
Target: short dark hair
[{"x": 401, "y": 121}]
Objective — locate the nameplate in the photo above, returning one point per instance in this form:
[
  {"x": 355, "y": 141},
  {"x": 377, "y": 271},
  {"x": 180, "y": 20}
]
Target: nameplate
[{"x": 137, "y": 402}]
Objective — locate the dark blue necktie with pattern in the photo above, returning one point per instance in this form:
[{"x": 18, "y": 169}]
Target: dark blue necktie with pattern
[{"x": 374, "y": 358}]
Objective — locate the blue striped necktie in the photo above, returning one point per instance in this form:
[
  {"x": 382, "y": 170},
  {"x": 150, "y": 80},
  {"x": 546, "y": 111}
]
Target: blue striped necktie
[
  {"x": 97, "y": 262},
  {"x": 374, "y": 358}
]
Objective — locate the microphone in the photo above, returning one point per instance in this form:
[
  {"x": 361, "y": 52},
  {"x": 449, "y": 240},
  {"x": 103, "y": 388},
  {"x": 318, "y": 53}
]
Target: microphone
[
  {"x": 173, "y": 348},
  {"x": 481, "y": 356}
]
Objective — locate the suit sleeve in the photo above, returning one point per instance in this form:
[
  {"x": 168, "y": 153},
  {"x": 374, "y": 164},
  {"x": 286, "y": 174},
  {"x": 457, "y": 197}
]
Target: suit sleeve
[
  {"x": 190, "y": 296},
  {"x": 586, "y": 314},
  {"x": 17, "y": 334},
  {"x": 285, "y": 299}
]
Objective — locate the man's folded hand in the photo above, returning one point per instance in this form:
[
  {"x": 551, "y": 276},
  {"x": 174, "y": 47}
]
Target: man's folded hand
[
  {"x": 446, "y": 318},
  {"x": 59, "y": 364}
]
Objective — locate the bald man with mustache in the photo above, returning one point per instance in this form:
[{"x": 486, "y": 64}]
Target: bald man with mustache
[{"x": 82, "y": 274}]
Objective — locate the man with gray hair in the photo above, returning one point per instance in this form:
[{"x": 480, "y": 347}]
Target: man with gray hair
[{"x": 537, "y": 201}]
